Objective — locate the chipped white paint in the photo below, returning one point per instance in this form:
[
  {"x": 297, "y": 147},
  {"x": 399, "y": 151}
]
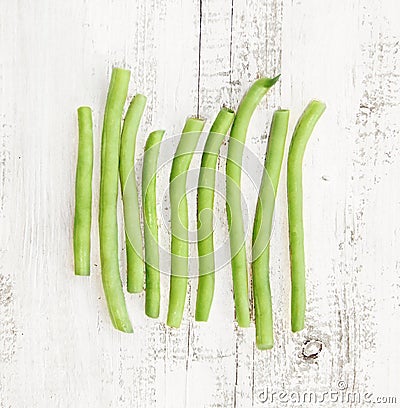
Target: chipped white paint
[{"x": 57, "y": 347}]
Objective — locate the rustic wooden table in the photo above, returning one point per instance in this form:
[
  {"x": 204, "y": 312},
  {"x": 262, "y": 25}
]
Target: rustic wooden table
[{"x": 57, "y": 346}]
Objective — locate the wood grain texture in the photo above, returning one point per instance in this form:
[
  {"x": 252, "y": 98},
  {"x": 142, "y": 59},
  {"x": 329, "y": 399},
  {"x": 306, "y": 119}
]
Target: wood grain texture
[{"x": 57, "y": 345}]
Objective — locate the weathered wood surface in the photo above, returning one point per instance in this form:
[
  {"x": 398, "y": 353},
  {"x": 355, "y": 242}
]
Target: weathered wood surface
[{"x": 57, "y": 347}]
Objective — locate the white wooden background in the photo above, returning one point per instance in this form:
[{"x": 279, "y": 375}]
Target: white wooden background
[{"x": 57, "y": 346}]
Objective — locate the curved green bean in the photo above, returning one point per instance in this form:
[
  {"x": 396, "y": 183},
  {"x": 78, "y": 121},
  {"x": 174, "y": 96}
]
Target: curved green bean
[
  {"x": 234, "y": 207},
  {"x": 83, "y": 193},
  {"x": 108, "y": 227},
  {"x": 149, "y": 172},
  {"x": 133, "y": 233},
  {"x": 301, "y": 135},
  {"x": 179, "y": 220},
  {"x": 205, "y": 204},
  {"x": 263, "y": 227}
]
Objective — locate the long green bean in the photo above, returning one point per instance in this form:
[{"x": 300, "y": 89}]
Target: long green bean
[
  {"x": 301, "y": 135},
  {"x": 263, "y": 227},
  {"x": 149, "y": 172},
  {"x": 133, "y": 233},
  {"x": 83, "y": 193},
  {"x": 179, "y": 220},
  {"x": 108, "y": 227},
  {"x": 234, "y": 207},
  {"x": 205, "y": 204}
]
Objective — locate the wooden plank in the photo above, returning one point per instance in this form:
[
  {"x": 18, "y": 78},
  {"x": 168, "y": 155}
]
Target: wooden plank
[
  {"x": 55, "y": 335},
  {"x": 211, "y": 370},
  {"x": 178, "y": 60},
  {"x": 9, "y": 163},
  {"x": 305, "y": 362},
  {"x": 250, "y": 32},
  {"x": 375, "y": 201}
]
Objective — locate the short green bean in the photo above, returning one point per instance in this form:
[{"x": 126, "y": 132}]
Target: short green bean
[
  {"x": 263, "y": 227},
  {"x": 149, "y": 173},
  {"x": 108, "y": 227},
  {"x": 301, "y": 135},
  {"x": 205, "y": 204},
  {"x": 233, "y": 197},
  {"x": 179, "y": 220},
  {"x": 83, "y": 193}
]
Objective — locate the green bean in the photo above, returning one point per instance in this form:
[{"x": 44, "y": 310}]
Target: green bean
[
  {"x": 233, "y": 196},
  {"x": 133, "y": 233},
  {"x": 301, "y": 135},
  {"x": 205, "y": 204},
  {"x": 83, "y": 193},
  {"x": 179, "y": 220},
  {"x": 108, "y": 200},
  {"x": 149, "y": 173},
  {"x": 263, "y": 227}
]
